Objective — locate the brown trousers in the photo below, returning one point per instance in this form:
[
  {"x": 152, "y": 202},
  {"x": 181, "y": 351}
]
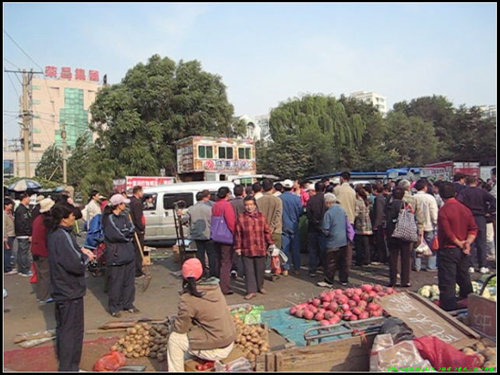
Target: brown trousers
[
  {"x": 398, "y": 248},
  {"x": 337, "y": 259},
  {"x": 42, "y": 286}
]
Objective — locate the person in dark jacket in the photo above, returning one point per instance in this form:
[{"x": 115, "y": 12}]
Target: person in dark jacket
[
  {"x": 120, "y": 257},
  {"x": 137, "y": 216},
  {"x": 67, "y": 276},
  {"x": 40, "y": 252},
  {"x": 315, "y": 211},
  {"x": 378, "y": 225},
  {"x": 397, "y": 247},
  {"x": 482, "y": 204},
  {"x": 23, "y": 228}
]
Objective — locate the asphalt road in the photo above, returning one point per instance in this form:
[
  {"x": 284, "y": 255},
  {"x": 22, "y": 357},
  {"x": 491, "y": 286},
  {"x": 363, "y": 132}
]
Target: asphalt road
[{"x": 22, "y": 313}]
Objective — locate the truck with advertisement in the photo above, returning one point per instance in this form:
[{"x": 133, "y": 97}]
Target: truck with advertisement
[
  {"x": 446, "y": 170},
  {"x": 127, "y": 183}
]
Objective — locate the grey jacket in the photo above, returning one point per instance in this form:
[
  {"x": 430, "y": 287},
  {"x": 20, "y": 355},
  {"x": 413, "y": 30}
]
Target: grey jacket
[
  {"x": 8, "y": 225},
  {"x": 200, "y": 216}
]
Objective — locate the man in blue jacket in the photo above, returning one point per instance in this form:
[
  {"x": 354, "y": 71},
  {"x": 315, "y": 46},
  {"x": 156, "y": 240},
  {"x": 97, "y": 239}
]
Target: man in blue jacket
[{"x": 292, "y": 209}]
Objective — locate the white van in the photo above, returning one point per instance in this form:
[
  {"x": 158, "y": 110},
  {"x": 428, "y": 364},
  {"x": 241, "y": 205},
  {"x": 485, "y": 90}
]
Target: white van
[{"x": 158, "y": 210}]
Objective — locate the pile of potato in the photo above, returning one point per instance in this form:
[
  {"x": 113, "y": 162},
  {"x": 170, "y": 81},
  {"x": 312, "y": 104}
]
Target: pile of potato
[
  {"x": 487, "y": 355},
  {"x": 136, "y": 343},
  {"x": 250, "y": 338},
  {"x": 159, "y": 334}
]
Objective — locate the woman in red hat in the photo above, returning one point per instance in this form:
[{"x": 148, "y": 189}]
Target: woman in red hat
[{"x": 203, "y": 326}]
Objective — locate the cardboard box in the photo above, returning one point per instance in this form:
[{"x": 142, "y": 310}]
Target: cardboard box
[{"x": 481, "y": 314}]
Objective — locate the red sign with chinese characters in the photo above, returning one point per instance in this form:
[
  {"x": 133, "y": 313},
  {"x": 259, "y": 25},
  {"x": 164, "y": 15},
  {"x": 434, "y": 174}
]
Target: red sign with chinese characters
[
  {"x": 66, "y": 72},
  {"x": 93, "y": 75},
  {"x": 51, "y": 71},
  {"x": 80, "y": 74}
]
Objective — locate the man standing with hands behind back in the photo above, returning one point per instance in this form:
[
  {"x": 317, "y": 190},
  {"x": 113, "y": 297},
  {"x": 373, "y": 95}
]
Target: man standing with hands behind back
[
  {"x": 136, "y": 212},
  {"x": 457, "y": 229}
]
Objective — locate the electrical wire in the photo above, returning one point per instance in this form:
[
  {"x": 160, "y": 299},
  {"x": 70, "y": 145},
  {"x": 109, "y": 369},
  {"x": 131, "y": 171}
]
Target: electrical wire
[{"x": 22, "y": 50}]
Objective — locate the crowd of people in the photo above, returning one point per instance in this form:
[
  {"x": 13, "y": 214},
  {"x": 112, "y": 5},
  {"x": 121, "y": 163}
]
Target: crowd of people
[{"x": 239, "y": 234}]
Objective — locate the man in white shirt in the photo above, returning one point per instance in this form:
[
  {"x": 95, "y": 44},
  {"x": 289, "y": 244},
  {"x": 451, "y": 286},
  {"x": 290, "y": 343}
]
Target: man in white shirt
[{"x": 426, "y": 214}]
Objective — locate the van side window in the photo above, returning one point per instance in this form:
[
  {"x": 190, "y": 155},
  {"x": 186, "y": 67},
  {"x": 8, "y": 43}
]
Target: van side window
[
  {"x": 149, "y": 202},
  {"x": 170, "y": 199}
]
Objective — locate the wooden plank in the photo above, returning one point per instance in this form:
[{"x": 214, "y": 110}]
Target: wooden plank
[
  {"x": 278, "y": 362},
  {"x": 425, "y": 318},
  {"x": 270, "y": 362},
  {"x": 452, "y": 320},
  {"x": 482, "y": 315},
  {"x": 351, "y": 354}
]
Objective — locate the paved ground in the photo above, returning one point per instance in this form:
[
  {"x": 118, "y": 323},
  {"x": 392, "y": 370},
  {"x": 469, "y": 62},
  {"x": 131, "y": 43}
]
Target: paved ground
[{"x": 23, "y": 314}]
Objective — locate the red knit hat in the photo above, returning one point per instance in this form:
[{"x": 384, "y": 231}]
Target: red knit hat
[{"x": 192, "y": 268}]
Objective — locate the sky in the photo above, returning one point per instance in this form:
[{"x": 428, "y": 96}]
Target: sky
[{"x": 266, "y": 53}]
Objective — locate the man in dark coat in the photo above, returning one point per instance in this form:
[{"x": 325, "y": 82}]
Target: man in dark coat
[{"x": 136, "y": 213}]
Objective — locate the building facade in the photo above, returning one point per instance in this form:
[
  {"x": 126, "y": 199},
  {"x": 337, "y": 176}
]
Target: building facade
[
  {"x": 55, "y": 100},
  {"x": 377, "y": 100},
  {"x": 214, "y": 159}
]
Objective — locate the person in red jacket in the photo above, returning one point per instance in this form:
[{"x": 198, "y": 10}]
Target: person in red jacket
[
  {"x": 251, "y": 240},
  {"x": 40, "y": 252},
  {"x": 224, "y": 252},
  {"x": 457, "y": 230}
]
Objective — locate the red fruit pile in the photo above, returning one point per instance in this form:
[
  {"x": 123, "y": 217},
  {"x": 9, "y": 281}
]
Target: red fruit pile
[{"x": 335, "y": 305}]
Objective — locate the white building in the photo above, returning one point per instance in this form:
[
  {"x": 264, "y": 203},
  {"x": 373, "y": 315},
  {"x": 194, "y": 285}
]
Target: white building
[
  {"x": 377, "y": 100},
  {"x": 488, "y": 110}
]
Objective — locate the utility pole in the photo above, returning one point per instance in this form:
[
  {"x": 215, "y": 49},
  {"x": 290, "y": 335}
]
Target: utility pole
[
  {"x": 63, "y": 137},
  {"x": 26, "y": 114}
]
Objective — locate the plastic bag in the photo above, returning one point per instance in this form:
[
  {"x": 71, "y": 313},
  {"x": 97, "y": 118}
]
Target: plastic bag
[
  {"x": 435, "y": 243},
  {"x": 398, "y": 330},
  {"x": 443, "y": 355},
  {"x": 254, "y": 316},
  {"x": 385, "y": 356},
  {"x": 238, "y": 365},
  {"x": 110, "y": 362},
  {"x": 34, "y": 276},
  {"x": 275, "y": 265},
  {"x": 423, "y": 248}
]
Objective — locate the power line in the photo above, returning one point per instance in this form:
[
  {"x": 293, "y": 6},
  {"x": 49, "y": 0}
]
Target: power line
[
  {"x": 10, "y": 79},
  {"x": 11, "y": 63},
  {"x": 23, "y": 51}
]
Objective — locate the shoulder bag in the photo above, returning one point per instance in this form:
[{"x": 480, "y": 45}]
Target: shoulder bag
[
  {"x": 219, "y": 231},
  {"x": 406, "y": 227}
]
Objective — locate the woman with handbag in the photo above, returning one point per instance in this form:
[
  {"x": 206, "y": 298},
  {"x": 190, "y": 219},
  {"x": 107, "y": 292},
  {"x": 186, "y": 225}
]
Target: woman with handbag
[
  {"x": 398, "y": 246},
  {"x": 222, "y": 231},
  {"x": 252, "y": 238}
]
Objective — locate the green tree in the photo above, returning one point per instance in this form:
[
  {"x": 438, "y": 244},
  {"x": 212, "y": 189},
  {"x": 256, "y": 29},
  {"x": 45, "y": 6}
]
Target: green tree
[
  {"x": 412, "y": 138},
  {"x": 438, "y": 110},
  {"x": 78, "y": 162},
  {"x": 285, "y": 158},
  {"x": 474, "y": 136},
  {"x": 320, "y": 123},
  {"x": 156, "y": 104},
  {"x": 50, "y": 165}
]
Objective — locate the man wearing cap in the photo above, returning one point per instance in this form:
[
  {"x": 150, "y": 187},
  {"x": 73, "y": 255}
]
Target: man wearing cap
[
  {"x": 203, "y": 326},
  {"x": 334, "y": 229},
  {"x": 36, "y": 210},
  {"x": 120, "y": 256},
  {"x": 292, "y": 209},
  {"x": 315, "y": 240},
  {"x": 40, "y": 252}
]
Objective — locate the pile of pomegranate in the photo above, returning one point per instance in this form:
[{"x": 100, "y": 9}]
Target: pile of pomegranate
[{"x": 335, "y": 305}]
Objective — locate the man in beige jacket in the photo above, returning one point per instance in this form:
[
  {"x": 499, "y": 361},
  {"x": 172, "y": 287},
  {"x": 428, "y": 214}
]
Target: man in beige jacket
[{"x": 346, "y": 196}]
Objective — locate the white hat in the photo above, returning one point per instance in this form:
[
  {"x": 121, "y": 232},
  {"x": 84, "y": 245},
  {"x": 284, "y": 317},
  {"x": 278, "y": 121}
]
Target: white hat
[
  {"x": 335, "y": 180},
  {"x": 118, "y": 199},
  {"x": 46, "y": 204},
  {"x": 287, "y": 184}
]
